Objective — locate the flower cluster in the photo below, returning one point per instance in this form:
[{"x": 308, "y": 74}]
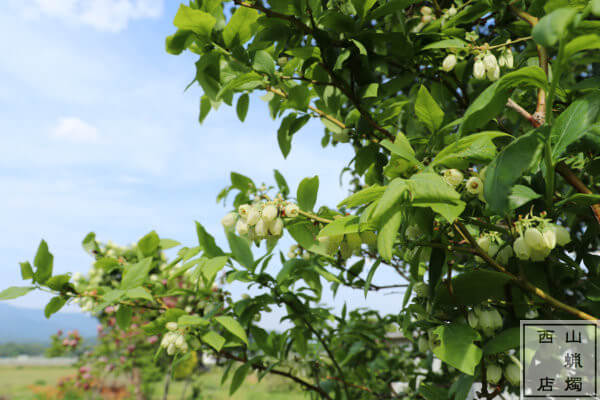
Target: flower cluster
[
  {"x": 260, "y": 219},
  {"x": 493, "y": 245},
  {"x": 174, "y": 340},
  {"x": 297, "y": 251},
  {"x": 512, "y": 373},
  {"x": 485, "y": 318},
  {"x": 347, "y": 244},
  {"x": 473, "y": 186},
  {"x": 537, "y": 238},
  {"x": 72, "y": 340}
]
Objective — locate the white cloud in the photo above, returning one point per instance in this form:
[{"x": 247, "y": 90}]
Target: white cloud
[
  {"x": 75, "y": 130},
  {"x": 103, "y": 15}
]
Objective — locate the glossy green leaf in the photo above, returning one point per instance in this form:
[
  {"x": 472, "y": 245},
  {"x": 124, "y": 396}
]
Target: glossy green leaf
[
  {"x": 136, "y": 274},
  {"x": 478, "y": 147},
  {"x": 242, "y": 106},
  {"x": 139, "y": 293},
  {"x": 26, "y": 270},
  {"x": 575, "y": 122},
  {"x": 54, "y": 305},
  {"x": 510, "y": 165},
  {"x": 340, "y": 226},
  {"x": 503, "y": 341},
  {"x": 457, "y": 347},
  {"x": 43, "y": 262},
  {"x": 363, "y": 196},
  {"x": 240, "y": 249},
  {"x": 241, "y": 26},
  {"x": 238, "y": 378},
  {"x": 214, "y": 340},
  {"x": 552, "y": 27},
  {"x": 428, "y": 111},
  {"x": 521, "y": 195},
  {"x": 123, "y": 316},
  {"x": 15, "y": 291},
  {"x": 194, "y": 20},
  {"x": 307, "y": 193},
  {"x": 149, "y": 244}
]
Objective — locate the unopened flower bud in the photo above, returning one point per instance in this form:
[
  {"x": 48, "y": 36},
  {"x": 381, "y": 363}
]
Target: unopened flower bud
[
  {"x": 241, "y": 227},
  {"x": 512, "y": 373},
  {"x": 504, "y": 255},
  {"x": 229, "y": 220},
  {"x": 244, "y": 209},
  {"x": 269, "y": 213},
  {"x": 449, "y": 63},
  {"x": 171, "y": 349},
  {"x": 421, "y": 290},
  {"x": 426, "y": 10},
  {"x": 493, "y": 74},
  {"x": 172, "y": 326},
  {"x": 179, "y": 341},
  {"x": 261, "y": 229},
  {"x": 493, "y": 373},
  {"x": 549, "y": 238},
  {"x": 474, "y": 185},
  {"x": 490, "y": 62},
  {"x": 451, "y": 11},
  {"x": 426, "y": 19},
  {"x": 510, "y": 60},
  {"x": 276, "y": 227},
  {"x": 291, "y": 210},
  {"x": 534, "y": 239},
  {"x": 473, "y": 320},
  {"x": 522, "y": 250},
  {"x": 252, "y": 217},
  {"x": 453, "y": 177},
  {"x": 479, "y": 69}
]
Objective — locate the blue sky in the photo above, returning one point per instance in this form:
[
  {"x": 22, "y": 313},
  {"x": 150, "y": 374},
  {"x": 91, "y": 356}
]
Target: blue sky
[{"x": 97, "y": 134}]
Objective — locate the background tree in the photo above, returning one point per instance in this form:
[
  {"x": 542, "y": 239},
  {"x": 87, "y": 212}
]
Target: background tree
[{"x": 475, "y": 131}]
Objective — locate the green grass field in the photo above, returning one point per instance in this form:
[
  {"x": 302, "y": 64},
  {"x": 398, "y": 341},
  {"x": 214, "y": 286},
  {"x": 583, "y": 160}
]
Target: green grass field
[{"x": 26, "y": 383}]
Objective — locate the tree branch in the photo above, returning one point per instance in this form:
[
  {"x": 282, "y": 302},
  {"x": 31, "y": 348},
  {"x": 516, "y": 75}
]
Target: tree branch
[
  {"x": 574, "y": 181},
  {"x": 520, "y": 280}
]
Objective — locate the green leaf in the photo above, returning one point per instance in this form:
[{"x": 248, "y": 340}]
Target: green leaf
[
  {"x": 340, "y": 226},
  {"x": 57, "y": 282},
  {"x": 503, "y": 341},
  {"x": 474, "y": 287},
  {"x": 233, "y": 326},
  {"x": 136, "y": 274},
  {"x": 284, "y": 189},
  {"x": 205, "y": 106},
  {"x": 178, "y": 42},
  {"x": 370, "y": 276},
  {"x": 391, "y": 199},
  {"x": 456, "y": 347},
  {"x": 247, "y": 81},
  {"x": 446, "y": 44},
  {"x": 207, "y": 242},
  {"x": 242, "y": 106},
  {"x": 430, "y": 190},
  {"x": 521, "y": 195},
  {"x": 284, "y": 137},
  {"x": 401, "y": 148},
  {"x": 89, "y": 242},
  {"x": 298, "y": 97},
  {"x": 194, "y": 20},
  {"x": 552, "y": 27},
  {"x": 123, "y": 316},
  {"x": 363, "y": 196},
  {"x": 15, "y": 291},
  {"x": 307, "y": 193},
  {"x": 192, "y": 320},
  {"x": 149, "y": 244},
  {"x": 139, "y": 293},
  {"x": 26, "y": 270},
  {"x": 581, "y": 43},
  {"x": 508, "y": 166},
  {"x": 388, "y": 233},
  {"x": 54, "y": 305},
  {"x": 363, "y": 6},
  {"x": 432, "y": 392},
  {"x": 213, "y": 266},
  {"x": 241, "y": 26},
  {"x": 166, "y": 244},
  {"x": 581, "y": 199},
  {"x": 43, "y": 263},
  {"x": 240, "y": 250},
  {"x": 263, "y": 62},
  {"x": 428, "y": 111},
  {"x": 493, "y": 99},
  {"x": 474, "y": 148},
  {"x": 214, "y": 340},
  {"x": 238, "y": 378},
  {"x": 575, "y": 122},
  {"x": 436, "y": 265}
]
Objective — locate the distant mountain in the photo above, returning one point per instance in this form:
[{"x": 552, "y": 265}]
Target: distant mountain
[{"x": 30, "y": 325}]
